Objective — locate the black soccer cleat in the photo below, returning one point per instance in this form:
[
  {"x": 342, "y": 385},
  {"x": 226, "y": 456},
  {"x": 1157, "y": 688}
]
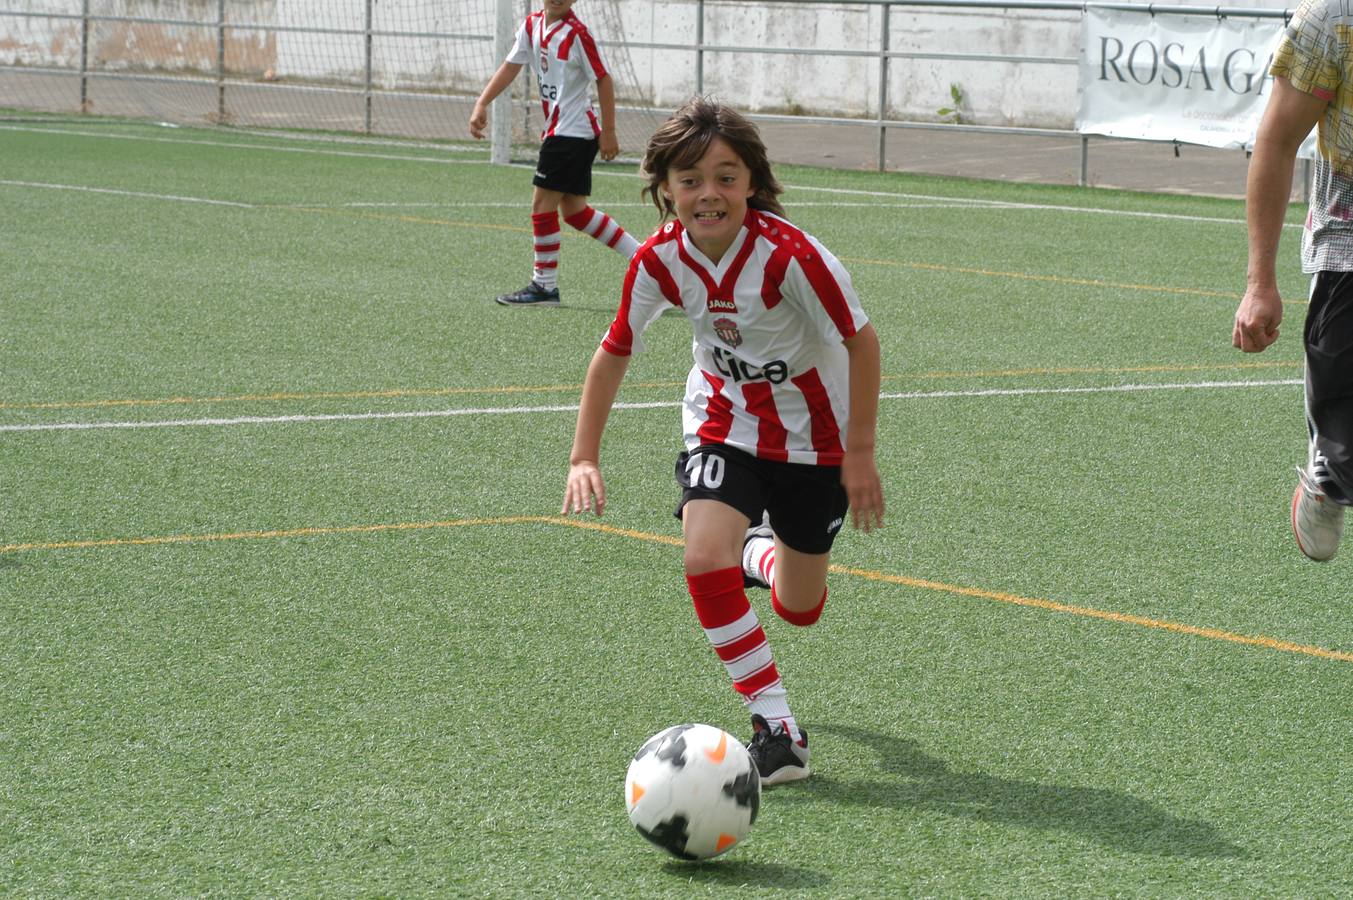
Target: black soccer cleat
[
  {"x": 778, "y": 758},
  {"x": 531, "y": 295}
]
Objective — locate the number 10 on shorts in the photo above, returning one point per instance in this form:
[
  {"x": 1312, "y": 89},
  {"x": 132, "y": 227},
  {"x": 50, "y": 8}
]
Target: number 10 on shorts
[{"x": 705, "y": 471}]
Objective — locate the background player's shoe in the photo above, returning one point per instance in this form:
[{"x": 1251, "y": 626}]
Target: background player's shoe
[
  {"x": 751, "y": 572},
  {"x": 778, "y": 758},
  {"x": 531, "y": 295},
  {"x": 1317, "y": 521}
]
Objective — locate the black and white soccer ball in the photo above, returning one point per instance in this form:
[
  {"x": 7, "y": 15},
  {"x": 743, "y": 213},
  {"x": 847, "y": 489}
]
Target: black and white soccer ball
[{"x": 693, "y": 790}]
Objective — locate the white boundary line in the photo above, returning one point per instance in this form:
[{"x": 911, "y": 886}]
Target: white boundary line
[
  {"x": 232, "y": 145},
  {"x": 995, "y": 204},
  {"x": 141, "y": 194},
  {"x": 524, "y": 410},
  {"x": 146, "y": 195}
]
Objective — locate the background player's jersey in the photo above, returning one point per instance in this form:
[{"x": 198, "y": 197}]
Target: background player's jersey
[
  {"x": 564, "y": 59},
  {"x": 1312, "y": 56},
  {"x": 771, "y": 376}
]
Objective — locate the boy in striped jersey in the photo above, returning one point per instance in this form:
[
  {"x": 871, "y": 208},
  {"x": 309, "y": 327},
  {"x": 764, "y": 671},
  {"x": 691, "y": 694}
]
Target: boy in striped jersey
[
  {"x": 780, "y": 407},
  {"x": 564, "y": 59}
]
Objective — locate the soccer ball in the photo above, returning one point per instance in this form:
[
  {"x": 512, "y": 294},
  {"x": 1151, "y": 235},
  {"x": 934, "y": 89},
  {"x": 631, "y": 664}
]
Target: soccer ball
[{"x": 693, "y": 790}]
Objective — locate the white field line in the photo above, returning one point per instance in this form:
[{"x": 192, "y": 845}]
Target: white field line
[
  {"x": 565, "y": 408},
  {"x": 146, "y": 195},
  {"x": 233, "y": 145},
  {"x": 887, "y": 195},
  {"x": 118, "y": 193}
]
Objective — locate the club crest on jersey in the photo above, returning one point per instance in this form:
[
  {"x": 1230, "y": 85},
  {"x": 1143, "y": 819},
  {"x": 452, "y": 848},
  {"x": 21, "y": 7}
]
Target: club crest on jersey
[
  {"x": 544, "y": 61},
  {"x": 727, "y": 330},
  {"x": 717, "y": 304}
]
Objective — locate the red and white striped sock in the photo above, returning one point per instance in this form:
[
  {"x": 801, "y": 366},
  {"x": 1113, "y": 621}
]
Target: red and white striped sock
[
  {"x": 545, "y": 226},
  {"x": 758, "y": 560},
  {"x": 736, "y": 634},
  {"x": 596, "y": 224}
]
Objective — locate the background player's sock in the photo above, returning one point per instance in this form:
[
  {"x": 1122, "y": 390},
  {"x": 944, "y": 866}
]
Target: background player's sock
[
  {"x": 545, "y": 226},
  {"x": 597, "y": 224}
]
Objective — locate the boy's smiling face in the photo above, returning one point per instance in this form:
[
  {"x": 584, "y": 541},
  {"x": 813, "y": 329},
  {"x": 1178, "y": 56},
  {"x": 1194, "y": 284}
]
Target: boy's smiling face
[
  {"x": 711, "y": 198},
  {"x": 557, "y": 9}
]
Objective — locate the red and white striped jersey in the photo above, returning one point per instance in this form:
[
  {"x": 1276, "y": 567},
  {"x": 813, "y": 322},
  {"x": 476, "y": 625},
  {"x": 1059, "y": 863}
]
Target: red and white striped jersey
[
  {"x": 565, "y": 61},
  {"x": 771, "y": 376}
]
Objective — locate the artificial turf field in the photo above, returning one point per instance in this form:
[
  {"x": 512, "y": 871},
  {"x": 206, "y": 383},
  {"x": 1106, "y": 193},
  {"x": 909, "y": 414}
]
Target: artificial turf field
[{"x": 286, "y": 607}]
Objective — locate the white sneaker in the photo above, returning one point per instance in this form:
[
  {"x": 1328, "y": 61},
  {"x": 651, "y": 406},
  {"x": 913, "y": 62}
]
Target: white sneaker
[
  {"x": 751, "y": 572},
  {"x": 1317, "y": 521}
]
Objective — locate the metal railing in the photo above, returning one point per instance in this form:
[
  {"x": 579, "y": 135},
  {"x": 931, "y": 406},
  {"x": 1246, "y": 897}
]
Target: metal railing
[
  {"x": 882, "y": 51},
  {"x": 220, "y": 77}
]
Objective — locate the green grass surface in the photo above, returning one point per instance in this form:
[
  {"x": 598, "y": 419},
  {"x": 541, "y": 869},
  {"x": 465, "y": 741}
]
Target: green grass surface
[{"x": 357, "y": 657}]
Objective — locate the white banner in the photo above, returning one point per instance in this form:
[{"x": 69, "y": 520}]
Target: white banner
[{"x": 1193, "y": 79}]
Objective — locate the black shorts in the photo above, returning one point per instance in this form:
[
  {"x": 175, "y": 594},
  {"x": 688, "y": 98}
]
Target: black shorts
[
  {"x": 1329, "y": 376},
  {"x": 807, "y": 504},
  {"x": 565, "y": 164}
]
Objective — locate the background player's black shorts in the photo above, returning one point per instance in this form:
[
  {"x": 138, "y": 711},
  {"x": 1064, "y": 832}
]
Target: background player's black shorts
[
  {"x": 807, "y": 504},
  {"x": 565, "y": 164},
  {"x": 1329, "y": 376}
]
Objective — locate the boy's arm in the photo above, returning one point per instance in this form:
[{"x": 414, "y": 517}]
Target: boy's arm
[
  {"x": 479, "y": 118},
  {"x": 585, "y": 489},
  {"x": 859, "y": 472},
  {"x": 610, "y": 144}
]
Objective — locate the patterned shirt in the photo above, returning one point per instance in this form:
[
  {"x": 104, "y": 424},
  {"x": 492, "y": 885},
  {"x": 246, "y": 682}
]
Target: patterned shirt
[
  {"x": 771, "y": 376},
  {"x": 565, "y": 61},
  {"x": 1311, "y": 57}
]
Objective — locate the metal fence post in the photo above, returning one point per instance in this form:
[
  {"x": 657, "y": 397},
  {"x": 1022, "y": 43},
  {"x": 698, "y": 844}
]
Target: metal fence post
[
  {"x": 884, "y": 45},
  {"x": 500, "y": 130},
  {"x": 220, "y": 63},
  {"x": 84, "y": 57},
  {"x": 700, "y": 48},
  {"x": 366, "y": 116}
]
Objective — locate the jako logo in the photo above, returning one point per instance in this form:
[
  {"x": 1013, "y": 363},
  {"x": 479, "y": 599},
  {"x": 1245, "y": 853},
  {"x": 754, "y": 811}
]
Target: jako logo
[
  {"x": 1144, "y": 63},
  {"x": 835, "y": 526}
]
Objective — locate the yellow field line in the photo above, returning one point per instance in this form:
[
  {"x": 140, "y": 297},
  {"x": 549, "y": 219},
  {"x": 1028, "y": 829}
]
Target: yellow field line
[
  {"x": 261, "y": 535},
  {"x": 592, "y": 525},
  {"x": 1053, "y": 279},
  {"x": 412, "y": 220},
  {"x": 397, "y": 393},
  {"x": 1099, "y": 370},
  {"x": 1123, "y": 618},
  {"x": 926, "y": 267}
]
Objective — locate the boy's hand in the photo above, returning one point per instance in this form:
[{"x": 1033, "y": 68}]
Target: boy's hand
[
  {"x": 585, "y": 490},
  {"x": 610, "y": 146},
  {"x": 479, "y": 120},
  {"x": 864, "y": 489}
]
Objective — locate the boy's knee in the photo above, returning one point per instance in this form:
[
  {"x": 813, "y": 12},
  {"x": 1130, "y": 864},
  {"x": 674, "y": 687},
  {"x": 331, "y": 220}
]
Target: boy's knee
[
  {"x": 699, "y": 560},
  {"x": 801, "y": 618}
]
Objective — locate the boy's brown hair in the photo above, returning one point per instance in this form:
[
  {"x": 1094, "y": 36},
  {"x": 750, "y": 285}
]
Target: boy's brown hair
[{"x": 685, "y": 137}]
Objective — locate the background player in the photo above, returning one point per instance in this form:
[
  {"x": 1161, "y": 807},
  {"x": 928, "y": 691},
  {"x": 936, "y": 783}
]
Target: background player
[
  {"x": 780, "y": 408},
  {"x": 565, "y": 60},
  {"x": 1312, "y": 82}
]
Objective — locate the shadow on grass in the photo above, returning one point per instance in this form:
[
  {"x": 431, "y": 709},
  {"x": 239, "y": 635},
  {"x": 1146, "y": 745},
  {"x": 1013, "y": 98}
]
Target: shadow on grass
[
  {"x": 753, "y": 874},
  {"x": 926, "y": 782}
]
